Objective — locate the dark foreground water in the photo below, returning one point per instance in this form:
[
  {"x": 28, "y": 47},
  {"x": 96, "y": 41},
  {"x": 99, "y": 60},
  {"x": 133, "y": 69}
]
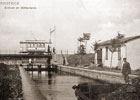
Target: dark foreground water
[{"x": 58, "y": 86}]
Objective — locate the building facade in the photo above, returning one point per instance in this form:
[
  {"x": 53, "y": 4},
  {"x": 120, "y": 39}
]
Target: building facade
[{"x": 110, "y": 53}]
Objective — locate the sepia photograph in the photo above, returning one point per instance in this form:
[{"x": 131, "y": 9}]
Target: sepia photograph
[{"x": 69, "y": 49}]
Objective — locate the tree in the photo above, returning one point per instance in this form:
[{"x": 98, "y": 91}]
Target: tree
[
  {"x": 115, "y": 43},
  {"x": 95, "y": 46},
  {"x": 86, "y": 36},
  {"x": 81, "y": 48},
  {"x": 83, "y": 43},
  {"x": 80, "y": 39},
  {"x": 112, "y": 49},
  {"x": 120, "y": 36}
]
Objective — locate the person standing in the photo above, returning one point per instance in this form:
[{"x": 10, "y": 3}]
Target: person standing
[
  {"x": 126, "y": 70},
  {"x": 64, "y": 61},
  {"x": 39, "y": 69}
]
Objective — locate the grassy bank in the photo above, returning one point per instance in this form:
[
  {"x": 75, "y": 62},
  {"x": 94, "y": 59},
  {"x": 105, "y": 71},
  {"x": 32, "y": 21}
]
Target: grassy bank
[
  {"x": 80, "y": 60},
  {"x": 10, "y": 83}
]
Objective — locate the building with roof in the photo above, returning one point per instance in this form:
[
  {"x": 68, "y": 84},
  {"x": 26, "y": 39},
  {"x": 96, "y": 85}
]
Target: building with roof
[{"x": 110, "y": 53}]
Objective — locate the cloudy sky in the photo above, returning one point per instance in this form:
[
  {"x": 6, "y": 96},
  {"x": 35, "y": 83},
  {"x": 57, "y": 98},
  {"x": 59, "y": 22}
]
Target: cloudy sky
[{"x": 102, "y": 18}]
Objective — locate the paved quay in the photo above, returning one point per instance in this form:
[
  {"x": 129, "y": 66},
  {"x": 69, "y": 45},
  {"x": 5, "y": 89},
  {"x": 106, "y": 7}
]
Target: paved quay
[
  {"x": 30, "y": 90},
  {"x": 111, "y": 77}
]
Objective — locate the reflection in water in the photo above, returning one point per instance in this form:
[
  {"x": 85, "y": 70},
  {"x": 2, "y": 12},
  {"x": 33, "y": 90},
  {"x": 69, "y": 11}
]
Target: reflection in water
[
  {"x": 49, "y": 78},
  {"x": 58, "y": 86}
]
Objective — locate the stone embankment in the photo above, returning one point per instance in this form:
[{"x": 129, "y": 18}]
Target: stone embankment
[{"x": 110, "y": 77}]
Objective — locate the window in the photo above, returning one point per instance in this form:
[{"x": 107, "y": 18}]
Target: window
[
  {"x": 31, "y": 45},
  {"x": 35, "y": 45},
  {"x": 106, "y": 53},
  {"x": 43, "y": 45},
  {"x": 28, "y": 45},
  {"x": 39, "y": 45}
]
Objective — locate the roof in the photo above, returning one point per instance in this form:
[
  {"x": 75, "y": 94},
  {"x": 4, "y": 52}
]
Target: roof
[
  {"x": 121, "y": 40},
  {"x": 34, "y": 41}
]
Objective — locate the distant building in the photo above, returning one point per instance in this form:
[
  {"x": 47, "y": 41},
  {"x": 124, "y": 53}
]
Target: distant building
[{"x": 122, "y": 47}]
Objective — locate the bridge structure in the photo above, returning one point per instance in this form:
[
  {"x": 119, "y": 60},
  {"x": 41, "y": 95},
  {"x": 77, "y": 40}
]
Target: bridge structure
[
  {"x": 23, "y": 60},
  {"x": 34, "y": 55}
]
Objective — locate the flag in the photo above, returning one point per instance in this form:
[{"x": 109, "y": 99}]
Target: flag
[{"x": 52, "y": 30}]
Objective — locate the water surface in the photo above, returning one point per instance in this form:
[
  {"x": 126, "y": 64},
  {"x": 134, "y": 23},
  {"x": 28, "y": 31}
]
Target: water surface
[{"x": 58, "y": 86}]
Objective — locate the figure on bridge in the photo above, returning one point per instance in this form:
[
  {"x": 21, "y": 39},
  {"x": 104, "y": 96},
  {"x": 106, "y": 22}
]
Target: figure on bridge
[
  {"x": 30, "y": 63},
  {"x": 54, "y": 50},
  {"x": 126, "y": 70},
  {"x": 39, "y": 69},
  {"x": 49, "y": 49},
  {"x": 64, "y": 60}
]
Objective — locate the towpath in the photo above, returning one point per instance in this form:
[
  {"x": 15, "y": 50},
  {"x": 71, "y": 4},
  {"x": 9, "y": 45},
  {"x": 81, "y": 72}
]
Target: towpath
[{"x": 30, "y": 90}]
